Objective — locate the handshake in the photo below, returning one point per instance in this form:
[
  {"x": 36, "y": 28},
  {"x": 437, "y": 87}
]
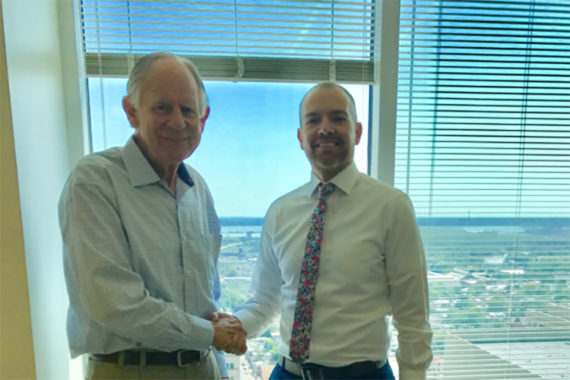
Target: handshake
[{"x": 229, "y": 335}]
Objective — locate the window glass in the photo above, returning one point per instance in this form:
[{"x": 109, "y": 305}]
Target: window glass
[{"x": 483, "y": 150}]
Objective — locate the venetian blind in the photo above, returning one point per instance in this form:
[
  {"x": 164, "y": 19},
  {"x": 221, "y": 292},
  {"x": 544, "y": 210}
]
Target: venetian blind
[
  {"x": 241, "y": 39},
  {"x": 483, "y": 149}
]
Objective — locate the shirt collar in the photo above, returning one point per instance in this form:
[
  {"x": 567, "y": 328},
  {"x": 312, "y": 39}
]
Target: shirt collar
[
  {"x": 344, "y": 180},
  {"x": 140, "y": 171}
]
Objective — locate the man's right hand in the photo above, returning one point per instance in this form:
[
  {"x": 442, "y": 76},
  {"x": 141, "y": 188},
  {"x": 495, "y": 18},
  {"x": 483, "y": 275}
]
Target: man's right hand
[{"x": 229, "y": 335}]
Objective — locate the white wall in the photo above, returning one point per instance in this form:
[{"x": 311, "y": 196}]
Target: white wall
[
  {"x": 16, "y": 360},
  {"x": 40, "y": 119}
]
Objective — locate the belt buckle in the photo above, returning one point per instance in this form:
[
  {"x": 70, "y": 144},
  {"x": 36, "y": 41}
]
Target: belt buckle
[
  {"x": 311, "y": 371},
  {"x": 179, "y": 359}
]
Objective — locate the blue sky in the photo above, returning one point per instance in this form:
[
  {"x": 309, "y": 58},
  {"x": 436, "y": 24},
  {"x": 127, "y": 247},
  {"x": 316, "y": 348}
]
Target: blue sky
[{"x": 249, "y": 154}]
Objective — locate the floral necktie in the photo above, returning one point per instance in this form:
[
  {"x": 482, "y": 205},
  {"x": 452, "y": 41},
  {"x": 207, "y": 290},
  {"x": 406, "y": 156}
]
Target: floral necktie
[{"x": 301, "y": 332}]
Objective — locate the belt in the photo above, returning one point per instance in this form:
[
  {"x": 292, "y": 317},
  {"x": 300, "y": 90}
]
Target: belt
[
  {"x": 143, "y": 357},
  {"x": 309, "y": 371}
]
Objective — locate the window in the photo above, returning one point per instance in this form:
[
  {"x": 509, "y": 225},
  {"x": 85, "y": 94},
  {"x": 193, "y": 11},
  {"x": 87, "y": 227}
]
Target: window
[
  {"x": 482, "y": 145},
  {"x": 483, "y": 149}
]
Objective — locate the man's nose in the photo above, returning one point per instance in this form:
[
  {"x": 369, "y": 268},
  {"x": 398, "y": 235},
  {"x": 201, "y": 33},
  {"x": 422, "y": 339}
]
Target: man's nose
[
  {"x": 177, "y": 120},
  {"x": 325, "y": 127}
]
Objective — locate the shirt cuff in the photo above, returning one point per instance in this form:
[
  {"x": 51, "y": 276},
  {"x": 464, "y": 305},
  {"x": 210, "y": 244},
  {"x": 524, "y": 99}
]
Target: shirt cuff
[
  {"x": 203, "y": 336},
  {"x": 412, "y": 374},
  {"x": 248, "y": 321}
]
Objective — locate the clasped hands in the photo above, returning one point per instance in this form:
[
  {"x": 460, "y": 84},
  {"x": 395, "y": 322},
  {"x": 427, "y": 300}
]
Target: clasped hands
[{"x": 229, "y": 335}]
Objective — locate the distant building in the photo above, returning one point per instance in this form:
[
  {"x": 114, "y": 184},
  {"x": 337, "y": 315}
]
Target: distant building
[
  {"x": 238, "y": 368},
  {"x": 495, "y": 260},
  {"x": 233, "y": 365},
  {"x": 450, "y": 280}
]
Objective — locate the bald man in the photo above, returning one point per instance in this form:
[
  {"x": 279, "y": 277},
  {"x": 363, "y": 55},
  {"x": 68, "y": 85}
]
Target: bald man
[{"x": 340, "y": 255}]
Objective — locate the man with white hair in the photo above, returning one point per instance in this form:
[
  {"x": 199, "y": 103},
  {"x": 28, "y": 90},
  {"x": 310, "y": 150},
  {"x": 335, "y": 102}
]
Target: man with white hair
[{"x": 142, "y": 239}]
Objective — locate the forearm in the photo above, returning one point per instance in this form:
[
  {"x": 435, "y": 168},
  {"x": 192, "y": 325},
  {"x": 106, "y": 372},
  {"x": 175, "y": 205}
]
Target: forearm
[
  {"x": 127, "y": 309},
  {"x": 409, "y": 298},
  {"x": 414, "y": 349},
  {"x": 410, "y": 304},
  {"x": 261, "y": 309},
  {"x": 256, "y": 315}
]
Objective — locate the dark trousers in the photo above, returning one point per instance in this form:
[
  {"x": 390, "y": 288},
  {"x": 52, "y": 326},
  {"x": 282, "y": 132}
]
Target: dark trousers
[{"x": 381, "y": 373}]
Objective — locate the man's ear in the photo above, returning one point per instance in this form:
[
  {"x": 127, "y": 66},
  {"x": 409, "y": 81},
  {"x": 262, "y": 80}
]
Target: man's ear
[
  {"x": 205, "y": 117},
  {"x": 300, "y": 137},
  {"x": 357, "y": 133},
  {"x": 131, "y": 111}
]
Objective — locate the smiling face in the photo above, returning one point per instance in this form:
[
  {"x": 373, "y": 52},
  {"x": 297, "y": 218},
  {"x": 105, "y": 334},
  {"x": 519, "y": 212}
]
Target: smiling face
[
  {"x": 167, "y": 119},
  {"x": 329, "y": 130}
]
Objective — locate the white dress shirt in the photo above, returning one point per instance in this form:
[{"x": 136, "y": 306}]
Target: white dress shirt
[
  {"x": 372, "y": 265},
  {"x": 140, "y": 262}
]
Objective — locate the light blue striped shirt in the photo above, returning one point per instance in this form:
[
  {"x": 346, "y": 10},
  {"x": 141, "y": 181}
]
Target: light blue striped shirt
[{"x": 140, "y": 263}]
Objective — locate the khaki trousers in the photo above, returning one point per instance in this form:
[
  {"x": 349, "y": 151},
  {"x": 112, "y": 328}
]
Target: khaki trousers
[{"x": 205, "y": 369}]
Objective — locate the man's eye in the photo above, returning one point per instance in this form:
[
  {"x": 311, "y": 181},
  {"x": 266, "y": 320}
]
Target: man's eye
[
  {"x": 312, "y": 120},
  {"x": 187, "y": 112},
  {"x": 339, "y": 119},
  {"x": 162, "y": 108}
]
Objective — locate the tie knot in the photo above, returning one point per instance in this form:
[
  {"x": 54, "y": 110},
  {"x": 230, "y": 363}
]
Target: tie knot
[{"x": 325, "y": 189}]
